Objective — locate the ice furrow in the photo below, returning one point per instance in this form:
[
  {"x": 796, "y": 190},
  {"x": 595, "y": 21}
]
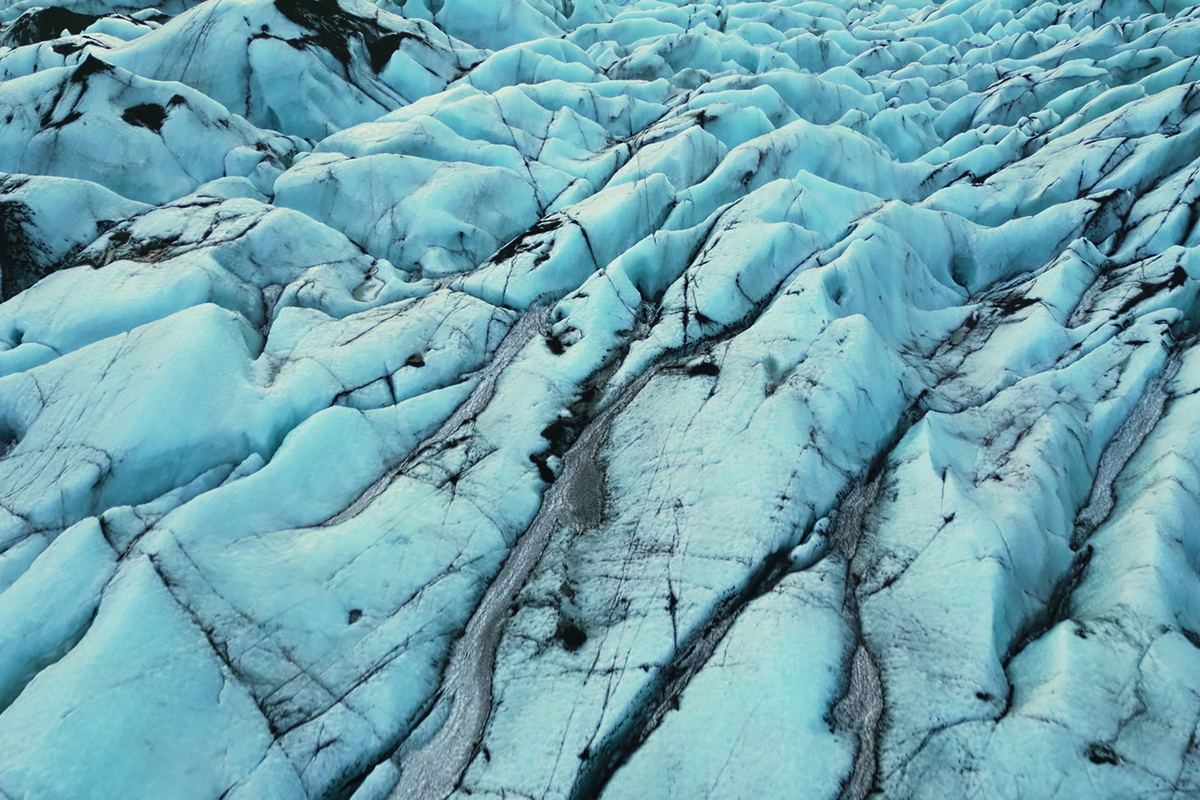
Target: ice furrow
[
  {"x": 662, "y": 694},
  {"x": 434, "y": 768},
  {"x": 1141, "y": 421}
]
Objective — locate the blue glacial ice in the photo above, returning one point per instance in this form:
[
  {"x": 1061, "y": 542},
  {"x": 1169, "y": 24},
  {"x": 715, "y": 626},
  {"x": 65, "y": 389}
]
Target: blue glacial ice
[{"x": 599, "y": 399}]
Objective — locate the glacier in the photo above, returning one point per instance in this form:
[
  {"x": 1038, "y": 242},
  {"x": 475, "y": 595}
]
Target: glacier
[{"x": 599, "y": 399}]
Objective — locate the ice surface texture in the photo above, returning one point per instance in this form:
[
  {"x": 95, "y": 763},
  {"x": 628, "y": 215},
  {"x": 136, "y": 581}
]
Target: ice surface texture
[{"x": 576, "y": 399}]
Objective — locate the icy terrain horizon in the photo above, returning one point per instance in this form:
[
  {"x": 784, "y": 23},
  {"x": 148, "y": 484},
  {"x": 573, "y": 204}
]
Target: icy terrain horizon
[{"x": 599, "y": 400}]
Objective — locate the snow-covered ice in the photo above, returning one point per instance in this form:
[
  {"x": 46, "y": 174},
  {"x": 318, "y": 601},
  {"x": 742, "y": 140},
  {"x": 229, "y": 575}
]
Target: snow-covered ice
[{"x": 579, "y": 399}]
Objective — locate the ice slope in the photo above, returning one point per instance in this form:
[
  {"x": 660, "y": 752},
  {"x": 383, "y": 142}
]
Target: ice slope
[{"x": 597, "y": 399}]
